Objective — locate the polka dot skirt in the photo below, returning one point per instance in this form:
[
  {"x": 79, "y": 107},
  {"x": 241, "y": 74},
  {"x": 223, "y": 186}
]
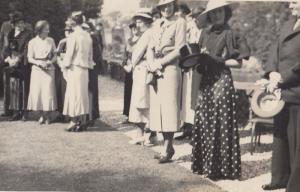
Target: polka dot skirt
[{"x": 216, "y": 149}]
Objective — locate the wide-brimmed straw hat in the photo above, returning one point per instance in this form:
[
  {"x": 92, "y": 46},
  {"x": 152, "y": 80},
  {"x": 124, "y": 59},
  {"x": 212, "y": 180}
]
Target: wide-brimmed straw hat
[
  {"x": 143, "y": 13},
  {"x": 215, "y": 4},
  {"x": 266, "y": 105},
  {"x": 164, "y": 2}
]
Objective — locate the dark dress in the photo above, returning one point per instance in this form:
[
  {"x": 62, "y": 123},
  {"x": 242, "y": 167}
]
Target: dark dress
[
  {"x": 128, "y": 77},
  {"x": 18, "y": 76},
  {"x": 93, "y": 76},
  {"x": 216, "y": 149},
  {"x": 60, "y": 81}
]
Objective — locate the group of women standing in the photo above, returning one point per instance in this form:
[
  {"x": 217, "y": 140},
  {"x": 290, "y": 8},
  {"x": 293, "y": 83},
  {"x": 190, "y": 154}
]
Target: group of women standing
[
  {"x": 157, "y": 85},
  {"x": 72, "y": 65}
]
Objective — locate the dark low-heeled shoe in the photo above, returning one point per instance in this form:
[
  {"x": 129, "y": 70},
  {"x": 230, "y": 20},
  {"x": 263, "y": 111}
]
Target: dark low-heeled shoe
[
  {"x": 167, "y": 158},
  {"x": 271, "y": 186}
]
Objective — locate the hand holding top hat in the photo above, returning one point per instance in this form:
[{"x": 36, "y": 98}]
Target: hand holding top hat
[
  {"x": 266, "y": 102},
  {"x": 192, "y": 57}
]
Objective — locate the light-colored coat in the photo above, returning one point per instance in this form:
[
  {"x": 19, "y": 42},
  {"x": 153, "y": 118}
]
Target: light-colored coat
[
  {"x": 140, "y": 96},
  {"x": 78, "y": 59},
  {"x": 165, "y": 101},
  {"x": 191, "y": 79}
]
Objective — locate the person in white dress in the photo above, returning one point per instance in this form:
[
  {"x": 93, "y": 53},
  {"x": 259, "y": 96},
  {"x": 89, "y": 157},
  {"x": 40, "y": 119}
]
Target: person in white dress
[
  {"x": 191, "y": 78},
  {"x": 77, "y": 60},
  {"x": 42, "y": 55},
  {"x": 140, "y": 96}
]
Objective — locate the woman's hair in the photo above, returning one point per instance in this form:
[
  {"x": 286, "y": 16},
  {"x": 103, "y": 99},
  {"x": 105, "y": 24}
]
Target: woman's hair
[
  {"x": 77, "y": 18},
  {"x": 228, "y": 14},
  {"x": 39, "y": 26}
]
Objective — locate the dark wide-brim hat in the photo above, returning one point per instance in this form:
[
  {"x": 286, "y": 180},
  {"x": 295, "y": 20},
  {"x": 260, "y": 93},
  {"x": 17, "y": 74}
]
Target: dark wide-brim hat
[
  {"x": 266, "y": 105},
  {"x": 190, "y": 55},
  {"x": 17, "y": 16}
]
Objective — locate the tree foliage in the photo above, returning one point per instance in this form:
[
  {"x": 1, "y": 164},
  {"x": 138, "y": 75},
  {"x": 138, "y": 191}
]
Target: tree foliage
[{"x": 54, "y": 11}]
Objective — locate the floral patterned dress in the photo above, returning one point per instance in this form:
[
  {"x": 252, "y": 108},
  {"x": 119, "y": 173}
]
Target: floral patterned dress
[{"x": 216, "y": 149}]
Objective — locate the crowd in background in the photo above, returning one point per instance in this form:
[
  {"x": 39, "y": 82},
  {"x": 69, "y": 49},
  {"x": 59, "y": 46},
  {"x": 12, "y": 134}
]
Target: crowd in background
[
  {"x": 38, "y": 76},
  {"x": 164, "y": 92}
]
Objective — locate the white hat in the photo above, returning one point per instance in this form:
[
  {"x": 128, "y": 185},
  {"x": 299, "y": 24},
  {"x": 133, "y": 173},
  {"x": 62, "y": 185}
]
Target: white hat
[
  {"x": 215, "y": 4},
  {"x": 164, "y": 2},
  {"x": 144, "y": 13}
]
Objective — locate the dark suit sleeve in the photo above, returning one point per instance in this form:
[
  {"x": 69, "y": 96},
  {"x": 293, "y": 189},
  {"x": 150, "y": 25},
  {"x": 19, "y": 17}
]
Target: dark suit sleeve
[{"x": 272, "y": 62}]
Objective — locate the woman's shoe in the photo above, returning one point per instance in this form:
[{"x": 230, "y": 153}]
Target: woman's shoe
[
  {"x": 41, "y": 120},
  {"x": 271, "y": 186},
  {"x": 71, "y": 128},
  {"x": 167, "y": 158},
  {"x": 48, "y": 121},
  {"x": 137, "y": 141}
]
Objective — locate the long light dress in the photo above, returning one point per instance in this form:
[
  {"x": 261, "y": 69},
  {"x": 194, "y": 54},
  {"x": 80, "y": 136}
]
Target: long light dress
[{"x": 42, "y": 93}]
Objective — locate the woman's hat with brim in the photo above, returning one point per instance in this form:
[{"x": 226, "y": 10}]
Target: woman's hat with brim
[
  {"x": 215, "y": 4},
  {"x": 144, "y": 13},
  {"x": 164, "y": 2},
  {"x": 17, "y": 16},
  {"x": 266, "y": 105}
]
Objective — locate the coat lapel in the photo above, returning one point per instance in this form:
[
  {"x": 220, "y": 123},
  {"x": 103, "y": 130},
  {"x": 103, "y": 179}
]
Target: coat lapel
[{"x": 289, "y": 31}]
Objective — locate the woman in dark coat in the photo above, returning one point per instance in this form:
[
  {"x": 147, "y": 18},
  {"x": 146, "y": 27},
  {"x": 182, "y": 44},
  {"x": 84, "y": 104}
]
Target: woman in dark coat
[
  {"x": 216, "y": 149},
  {"x": 18, "y": 69}
]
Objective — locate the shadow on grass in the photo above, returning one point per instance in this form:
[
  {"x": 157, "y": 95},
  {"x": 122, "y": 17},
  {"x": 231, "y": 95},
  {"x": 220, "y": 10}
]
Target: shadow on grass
[
  {"x": 245, "y": 148},
  {"x": 100, "y": 126},
  {"x": 129, "y": 180},
  {"x": 251, "y": 169}
]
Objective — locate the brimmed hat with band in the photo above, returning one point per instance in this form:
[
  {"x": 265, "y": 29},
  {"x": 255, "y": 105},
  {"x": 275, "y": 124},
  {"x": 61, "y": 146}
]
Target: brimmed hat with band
[
  {"x": 215, "y": 4},
  {"x": 266, "y": 105},
  {"x": 143, "y": 13},
  {"x": 164, "y": 2}
]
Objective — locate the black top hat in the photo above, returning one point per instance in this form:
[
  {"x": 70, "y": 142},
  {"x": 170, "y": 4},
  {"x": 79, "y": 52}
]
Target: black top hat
[{"x": 190, "y": 55}]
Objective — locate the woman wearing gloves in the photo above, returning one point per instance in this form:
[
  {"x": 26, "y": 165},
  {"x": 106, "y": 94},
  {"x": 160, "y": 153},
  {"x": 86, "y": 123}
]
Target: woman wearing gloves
[
  {"x": 169, "y": 35},
  {"x": 216, "y": 149}
]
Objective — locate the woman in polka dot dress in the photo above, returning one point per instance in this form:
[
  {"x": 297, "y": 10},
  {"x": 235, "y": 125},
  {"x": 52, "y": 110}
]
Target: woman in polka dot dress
[{"x": 216, "y": 149}]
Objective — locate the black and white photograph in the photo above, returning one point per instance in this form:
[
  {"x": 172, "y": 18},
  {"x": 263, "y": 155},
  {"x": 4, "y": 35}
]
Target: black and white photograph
[{"x": 150, "y": 95}]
